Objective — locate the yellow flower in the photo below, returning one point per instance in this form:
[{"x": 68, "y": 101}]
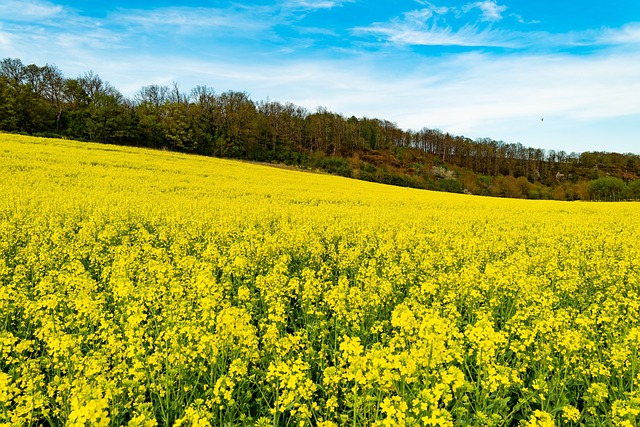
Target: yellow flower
[
  {"x": 540, "y": 419},
  {"x": 570, "y": 413}
]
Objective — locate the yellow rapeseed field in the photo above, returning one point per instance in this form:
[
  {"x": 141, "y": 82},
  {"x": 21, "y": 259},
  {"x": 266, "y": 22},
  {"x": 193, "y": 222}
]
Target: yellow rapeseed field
[{"x": 148, "y": 288}]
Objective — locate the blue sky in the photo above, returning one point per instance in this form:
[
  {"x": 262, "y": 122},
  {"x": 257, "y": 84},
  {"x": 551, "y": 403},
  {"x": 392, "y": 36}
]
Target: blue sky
[{"x": 487, "y": 68}]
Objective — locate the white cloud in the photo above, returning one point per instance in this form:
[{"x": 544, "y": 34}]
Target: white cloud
[
  {"x": 421, "y": 27},
  {"x": 315, "y": 4},
  {"x": 5, "y": 39},
  {"x": 488, "y": 87},
  {"x": 419, "y": 16},
  {"x": 440, "y": 10},
  {"x": 425, "y": 27},
  {"x": 194, "y": 19},
  {"x": 628, "y": 34},
  {"x": 468, "y": 36},
  {"x": 521, "y": 20},
  {"x": 241, "y": 20},
  {"x": 491, "y": 11},
  {"x": 23, "y": 10}
]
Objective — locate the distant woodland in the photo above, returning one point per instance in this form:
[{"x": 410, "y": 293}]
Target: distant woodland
[{"x": 41, "y": 101}]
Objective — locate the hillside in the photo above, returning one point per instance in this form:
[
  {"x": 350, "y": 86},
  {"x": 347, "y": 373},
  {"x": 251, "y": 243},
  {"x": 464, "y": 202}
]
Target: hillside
[
  {"x": 41, "y": 101},
  {"x": 148, "y": 288}
]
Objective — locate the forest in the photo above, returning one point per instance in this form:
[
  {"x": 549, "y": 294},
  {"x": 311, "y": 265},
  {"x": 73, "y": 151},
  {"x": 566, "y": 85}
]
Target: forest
[{"x": 41, "y": 101}]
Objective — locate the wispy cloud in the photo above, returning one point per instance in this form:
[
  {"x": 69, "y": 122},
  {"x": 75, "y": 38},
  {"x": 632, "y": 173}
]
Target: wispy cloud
[
  {"x": 4, "y": 39},
  {"x": 21, "y": 10},
  {"x": 315, "y": 4},
  {"x": 521, "y": 20},
  {"x": 238, "y": 20},
  {"x": 426, "y": 27},
  {"x": 628, "y": 34},
  {"x": 423, "y": 27},
  {"x": 195, "y": 19},
  {"x": 440, "y": 10},
  {"x": 491, "y": 11},
  {"x": 467, "y": 36}
]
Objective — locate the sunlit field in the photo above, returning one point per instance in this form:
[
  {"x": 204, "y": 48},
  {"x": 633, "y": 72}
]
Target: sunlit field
[{"x": 148, "y": 288}]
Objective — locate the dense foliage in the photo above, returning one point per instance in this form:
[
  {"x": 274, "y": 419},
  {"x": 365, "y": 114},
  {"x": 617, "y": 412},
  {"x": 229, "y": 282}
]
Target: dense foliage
[
  {"x": 41, "y": 101},
  {"x": 148, "y": 288}
]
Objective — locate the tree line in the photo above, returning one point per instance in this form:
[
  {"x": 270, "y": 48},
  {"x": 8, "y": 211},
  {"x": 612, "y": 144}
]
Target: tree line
[{"x": 40, "y": 100}]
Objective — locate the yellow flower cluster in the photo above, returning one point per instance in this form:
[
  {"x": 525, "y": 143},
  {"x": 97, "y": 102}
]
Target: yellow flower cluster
[{"x": 148, "y": 288}]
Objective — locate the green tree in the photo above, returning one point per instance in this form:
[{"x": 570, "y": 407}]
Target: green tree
[
  {"x": 150, "y": 104},
  {"x": 237, "y": 125},
  {"x": 634, "y": 190},
  {"x": 608, "y": 189}
]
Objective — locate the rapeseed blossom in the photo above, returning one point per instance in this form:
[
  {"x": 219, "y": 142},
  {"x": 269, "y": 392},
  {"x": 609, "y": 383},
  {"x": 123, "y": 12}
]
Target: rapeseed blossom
[{"x": 148, "y": 288}]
